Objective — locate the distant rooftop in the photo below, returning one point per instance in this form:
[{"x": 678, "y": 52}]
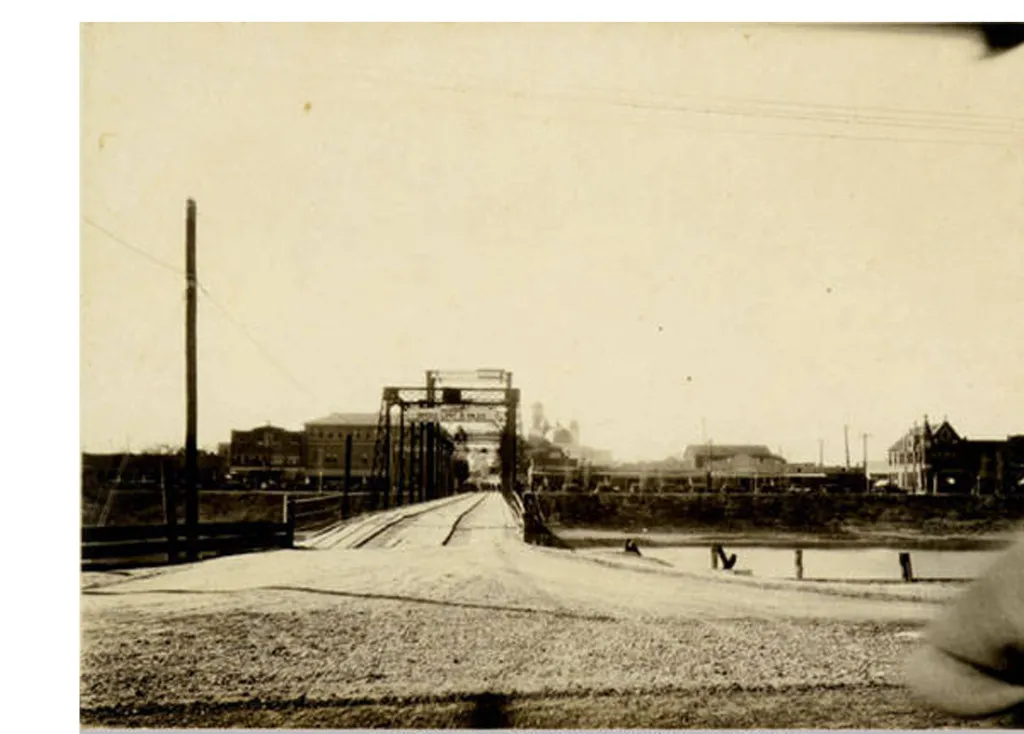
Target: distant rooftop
[
  {"x": 345, "y": 419},
  {"x": 725, "y": 451}
]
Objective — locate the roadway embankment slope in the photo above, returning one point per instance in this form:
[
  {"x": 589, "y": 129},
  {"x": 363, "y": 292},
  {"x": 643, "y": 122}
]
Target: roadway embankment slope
[{"x": 455, "y": 622}]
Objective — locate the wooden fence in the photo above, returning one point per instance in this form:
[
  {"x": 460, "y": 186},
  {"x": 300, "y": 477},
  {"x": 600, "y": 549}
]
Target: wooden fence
[
  {"x": 728, "y": 562},
  {"x": 139, "y": 545}
]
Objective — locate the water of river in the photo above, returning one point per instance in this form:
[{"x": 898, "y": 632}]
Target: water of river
[{"x": 880, "y": 564}]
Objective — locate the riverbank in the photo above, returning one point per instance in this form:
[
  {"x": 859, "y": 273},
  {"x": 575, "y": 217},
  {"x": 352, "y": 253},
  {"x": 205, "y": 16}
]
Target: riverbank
[
  {"x": 489, "y": 631},
  {"x": 592, "y": 537},
  {"x": 790, "y": 520}
]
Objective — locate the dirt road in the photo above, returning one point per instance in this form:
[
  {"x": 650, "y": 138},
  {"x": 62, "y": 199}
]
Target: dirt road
[{"x": 444, "y": 605}]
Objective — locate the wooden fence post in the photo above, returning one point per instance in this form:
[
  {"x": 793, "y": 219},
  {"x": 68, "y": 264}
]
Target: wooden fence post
[
  {"x": 799, "y": 560},
  {"x": 906, "y": 567},
  {"x": 714, "y": 557},
  {"x": 290, "y": 522}
]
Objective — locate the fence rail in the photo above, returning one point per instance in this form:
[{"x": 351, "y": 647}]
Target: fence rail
[{"x": 146, "y": 544}]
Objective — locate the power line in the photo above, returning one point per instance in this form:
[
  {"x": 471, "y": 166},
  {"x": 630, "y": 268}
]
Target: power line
[
  {"x": 794, "y": 134},
  {"x": 219, "y": 306},
  {"x": 469, "y": 82},
  {"x": 263, "y": 350},
  {"x": 829, "y": 114},
  {"x": 133, "y": 248},
  {"x": 801, "y": 111},
  {"x": 706, "y": 105}
]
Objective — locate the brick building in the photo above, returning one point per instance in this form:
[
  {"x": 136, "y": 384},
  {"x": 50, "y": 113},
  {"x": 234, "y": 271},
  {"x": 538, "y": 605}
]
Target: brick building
[
  {"x": 733, "y": 458},
  {"x": 938, "y": 460},
  {"x": 266, "y": 453},
  {"x": 325, "y": 444}
]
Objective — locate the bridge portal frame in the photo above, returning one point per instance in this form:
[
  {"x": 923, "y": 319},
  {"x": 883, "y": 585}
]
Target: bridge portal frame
[{"x": 443, "y": 389}]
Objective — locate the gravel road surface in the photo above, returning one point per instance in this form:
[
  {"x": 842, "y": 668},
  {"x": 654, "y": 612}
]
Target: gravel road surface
[{"x": 445, "y": 618}]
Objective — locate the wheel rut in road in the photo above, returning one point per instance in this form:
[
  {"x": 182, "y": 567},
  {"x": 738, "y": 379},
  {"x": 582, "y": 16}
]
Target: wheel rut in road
[{"x": 431, "y": 528}]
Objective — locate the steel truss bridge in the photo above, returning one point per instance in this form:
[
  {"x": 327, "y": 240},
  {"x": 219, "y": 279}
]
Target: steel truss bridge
[{"x": 415, "y": 445}]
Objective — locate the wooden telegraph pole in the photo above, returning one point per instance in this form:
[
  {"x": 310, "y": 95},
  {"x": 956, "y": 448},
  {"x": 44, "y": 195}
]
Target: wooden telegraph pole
[{"x": 191, "y": 490}]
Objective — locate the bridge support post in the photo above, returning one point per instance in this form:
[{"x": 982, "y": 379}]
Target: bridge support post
[
  {"x": 431, "y": 460},
  {"x": 442, "y": 454},
  {"x": 347, "y": 487},
  {"x": 448, "y": 469},
  {"x": 508, "y": 456},
  {"x": 401, "y": 455},
  {"x": 413, "y": 435},
  {"x": 385, "y": 491},
  {"x": 421, "y": 465}
]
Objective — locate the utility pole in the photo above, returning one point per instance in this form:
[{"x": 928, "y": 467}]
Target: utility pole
[
  {"x": 191, "y": 490},
  {"x": 846, "y": 442},
  {"x": 821, "y": 453}
]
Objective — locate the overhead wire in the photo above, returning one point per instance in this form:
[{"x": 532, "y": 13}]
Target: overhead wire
[
  {"x": 468, "y": 82},
  {"x": 262, "y": 349},
  {"x": 1003, "y": 131},
  {"x": 137, "y": 250},
  {"x": 235, "y": 322},
  {"x": 803, "y": 112}
]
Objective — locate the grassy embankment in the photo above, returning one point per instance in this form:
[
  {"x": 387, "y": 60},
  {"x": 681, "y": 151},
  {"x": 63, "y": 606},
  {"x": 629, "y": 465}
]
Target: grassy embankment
[
  {"x": 825, "y": 520},
  {"x": 146, "y": 506}
]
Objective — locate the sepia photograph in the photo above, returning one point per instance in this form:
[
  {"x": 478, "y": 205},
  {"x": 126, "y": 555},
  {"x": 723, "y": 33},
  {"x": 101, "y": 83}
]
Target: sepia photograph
[{"x": 551, "y": 375}]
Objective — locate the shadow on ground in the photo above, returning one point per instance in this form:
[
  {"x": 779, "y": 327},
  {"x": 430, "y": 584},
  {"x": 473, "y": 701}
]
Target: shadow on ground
[{"x": 847, "y": 707}]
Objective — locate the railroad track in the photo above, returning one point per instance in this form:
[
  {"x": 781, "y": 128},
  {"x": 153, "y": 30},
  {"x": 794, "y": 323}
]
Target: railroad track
[
  {"x": 455, "y": 525},
  {"x": 405, "y": 518},
  {"x": 341, "y": 535}
]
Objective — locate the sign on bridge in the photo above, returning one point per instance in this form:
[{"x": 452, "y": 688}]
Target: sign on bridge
[{"x": 459, "y": 414}]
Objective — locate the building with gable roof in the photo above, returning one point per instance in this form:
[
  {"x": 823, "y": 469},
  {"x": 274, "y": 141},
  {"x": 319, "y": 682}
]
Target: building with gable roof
[
  {"x": 266, "y": 452},
  {"x": 938, "y": 460},
  {"x": 325, "y": 444},
  {"x": 739, "y": 458}
]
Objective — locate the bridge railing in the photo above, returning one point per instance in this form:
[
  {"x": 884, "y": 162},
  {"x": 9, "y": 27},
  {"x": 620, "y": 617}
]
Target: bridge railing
[{"x": 143, "y": 545}]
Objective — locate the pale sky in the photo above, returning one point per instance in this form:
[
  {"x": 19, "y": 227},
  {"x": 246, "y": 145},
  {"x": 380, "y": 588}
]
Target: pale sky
[{"x": 775, "y": 231}]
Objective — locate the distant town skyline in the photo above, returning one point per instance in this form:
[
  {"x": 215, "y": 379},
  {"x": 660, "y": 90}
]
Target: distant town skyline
[{"x": 770, "y": 232}]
